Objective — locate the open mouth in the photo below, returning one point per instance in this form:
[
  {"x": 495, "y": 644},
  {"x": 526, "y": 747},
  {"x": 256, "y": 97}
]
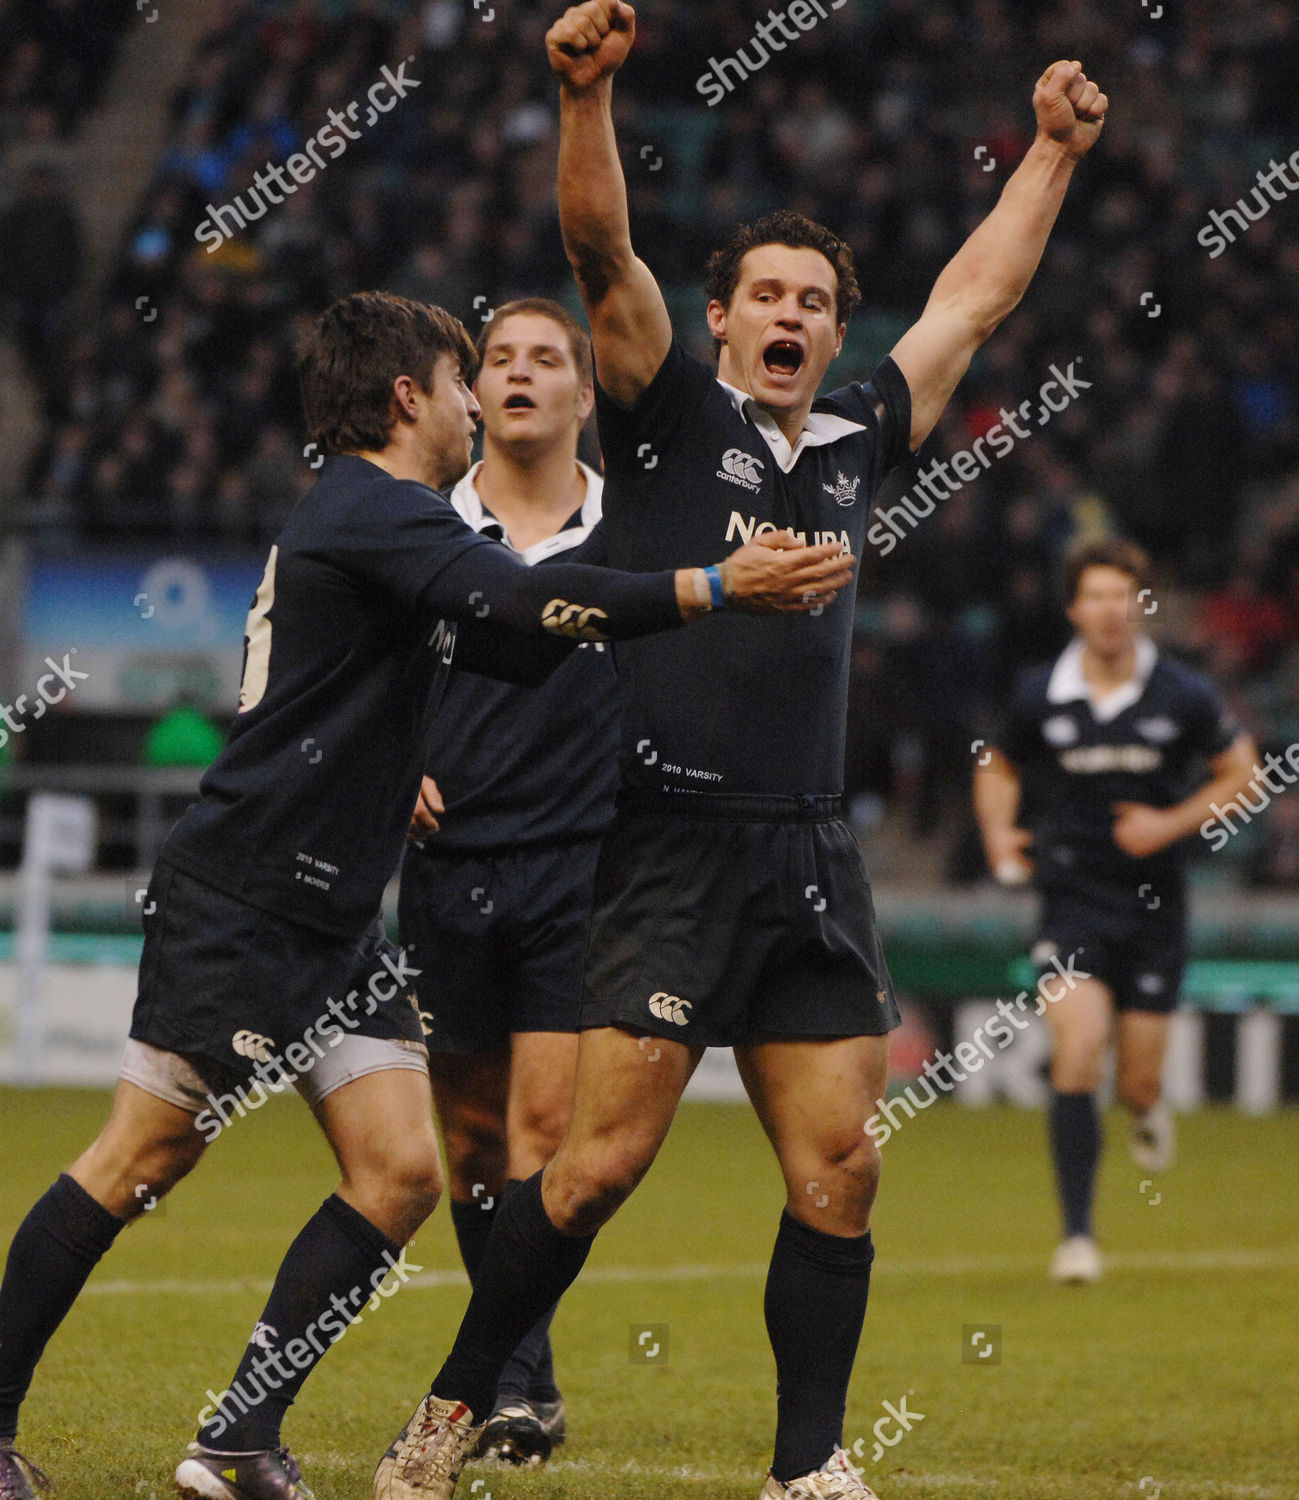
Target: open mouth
[
  {"x": 784, "y": 357},
  {"x": 520, "y": 402}
]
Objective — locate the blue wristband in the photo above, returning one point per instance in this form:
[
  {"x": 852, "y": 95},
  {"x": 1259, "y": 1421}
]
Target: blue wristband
[{"x": 714, "y": 576}]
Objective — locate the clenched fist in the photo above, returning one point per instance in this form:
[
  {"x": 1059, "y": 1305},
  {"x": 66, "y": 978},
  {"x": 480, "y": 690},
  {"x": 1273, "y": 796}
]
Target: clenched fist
[
  {"x": 590, "y": 42},
  {"x": 1070, "y": 108}
]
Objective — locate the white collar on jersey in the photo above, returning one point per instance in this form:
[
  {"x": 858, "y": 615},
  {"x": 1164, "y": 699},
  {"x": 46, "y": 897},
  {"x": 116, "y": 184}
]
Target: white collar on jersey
[
  {"x": 820, "y": 428},
  {"x": 468, "y": 502},
  {"x": 1068, "y": 684}
]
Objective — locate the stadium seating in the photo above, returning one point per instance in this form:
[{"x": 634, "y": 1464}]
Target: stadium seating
[{"x": 186, "y": 428}]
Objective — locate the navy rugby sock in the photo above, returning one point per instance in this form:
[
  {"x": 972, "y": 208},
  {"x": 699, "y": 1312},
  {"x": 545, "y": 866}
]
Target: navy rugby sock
[
  {"x": 330, "y": 1272},
  {"x": 530, "y": 1371},
  {"x": 472, "y": 1223},
  {"x": 815, "y": 1303},
  {"x": 1075, "y": 1130},
  {"x": 56, "y": 1248},
  {"x": 528, "y": 1266}
]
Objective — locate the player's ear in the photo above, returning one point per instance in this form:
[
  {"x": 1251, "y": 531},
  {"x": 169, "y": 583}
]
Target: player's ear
[
  {"x": 585, "y": 401},
  {"x": 403, "y": 395},
  {"x": 717, "y": 320},
  {"x": 838, "y": 343}
]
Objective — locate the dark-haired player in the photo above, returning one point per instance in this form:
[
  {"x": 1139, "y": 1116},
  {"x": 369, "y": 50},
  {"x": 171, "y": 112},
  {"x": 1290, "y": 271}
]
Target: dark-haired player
[
  {"x": 731, "y": 903},
  {"x": 496, "y": 895},
  {"x": 1113, "y": 730},
  {"x": 264, "y": 950}
]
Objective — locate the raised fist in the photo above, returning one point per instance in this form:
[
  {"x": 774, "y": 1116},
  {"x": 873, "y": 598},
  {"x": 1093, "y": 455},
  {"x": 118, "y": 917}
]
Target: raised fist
[
  {"x": 590, "y": 42},
  {"x": 1070, "y": 108}
]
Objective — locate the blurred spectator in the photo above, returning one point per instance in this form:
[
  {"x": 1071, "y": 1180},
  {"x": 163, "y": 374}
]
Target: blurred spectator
[
  {"x": 41, "y": 256},
  {"x": 1241, "y": 627},
  {"x": 55, "y": 57}
]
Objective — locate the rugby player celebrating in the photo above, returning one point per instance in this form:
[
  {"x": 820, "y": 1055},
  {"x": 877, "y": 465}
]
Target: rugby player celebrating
[
  {"x": 1112, "y": 729},
  {"x": 731, "y": 903},
  {"x": 264, "y": 950}
]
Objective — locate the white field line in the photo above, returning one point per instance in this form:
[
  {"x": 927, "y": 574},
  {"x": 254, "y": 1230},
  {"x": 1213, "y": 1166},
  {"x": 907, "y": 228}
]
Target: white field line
[{"x": 972, "y": 1265}]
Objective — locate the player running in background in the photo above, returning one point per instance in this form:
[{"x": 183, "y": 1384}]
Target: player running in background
[
  {"x": 731, "y": 902},
  {"x": 1113, "y": 731},
  {"x": 264, "y": 950},
  {"x": 494, "y": 903}
]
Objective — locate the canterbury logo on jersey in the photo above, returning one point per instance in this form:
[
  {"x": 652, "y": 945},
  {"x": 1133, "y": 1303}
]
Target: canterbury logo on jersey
[
  {"x": 1161, "y": 730},
  {"x": 252, "y": 1044},
  {"x": 741, "y": 468},
  {"x": 1060, "y": 729},
  {"x": 669, "y": 1008},
  {"x": 562, "y": 618},
  {"x": 1089, "y": 759}
]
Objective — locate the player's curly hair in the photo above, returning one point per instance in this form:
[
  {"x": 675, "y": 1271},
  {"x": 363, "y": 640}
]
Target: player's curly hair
[
  {"x": 355, "y": 351},
  {"x": 1103, "y": 552},
  {"x": 784, "y": 227}
]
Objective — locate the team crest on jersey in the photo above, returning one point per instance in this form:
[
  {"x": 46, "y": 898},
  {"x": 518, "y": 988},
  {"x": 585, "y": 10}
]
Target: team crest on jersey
[
  {"x": 1060, "y": 730},
  {"x": 741, "y": 468},
  {"x": 1161, "y": 729},
  {"x": 844, "y": 490}
]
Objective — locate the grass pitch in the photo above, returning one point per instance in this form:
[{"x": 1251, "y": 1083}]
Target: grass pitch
[{"x": 1176, "y": 1376}]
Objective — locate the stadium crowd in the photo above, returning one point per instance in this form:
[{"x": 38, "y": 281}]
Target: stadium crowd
[
  {"x": 55, "y": 58},
  {"x": 895, "y": 122}
]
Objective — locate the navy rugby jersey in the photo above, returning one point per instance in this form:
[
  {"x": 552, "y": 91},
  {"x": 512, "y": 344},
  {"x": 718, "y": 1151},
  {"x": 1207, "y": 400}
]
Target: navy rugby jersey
[
  {"x": 1142, "y": 745},
  {"x": 751, "y": 705},
  {"x": 521, "y": 766},
  {"x": 353, "y": 627}
]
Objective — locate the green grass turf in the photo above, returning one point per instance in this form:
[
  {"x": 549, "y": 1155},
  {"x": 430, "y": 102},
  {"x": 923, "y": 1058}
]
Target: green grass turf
[{"x": 1179, "y": 1370}]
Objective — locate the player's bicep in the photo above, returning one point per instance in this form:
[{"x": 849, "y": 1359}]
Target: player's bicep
[
  {"x": 1017, "y": 740},
  {"x": 508, "y": 655},
  {"x": 933, "y": 355},
  {"x": 999, "y": 761},
  {"x": 1238, "y": 759},
  {"x": 630, "y": 329},
  {"x": 993, "y": 767},
  {"x": 482, "y": 583}
]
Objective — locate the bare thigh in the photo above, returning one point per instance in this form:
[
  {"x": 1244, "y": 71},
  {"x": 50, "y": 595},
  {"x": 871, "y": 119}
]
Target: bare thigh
[
  {"x": 1081, "y": 1022},
  {"x": 813, "y": 1098},
  {"x": 625, "y": 1096}
]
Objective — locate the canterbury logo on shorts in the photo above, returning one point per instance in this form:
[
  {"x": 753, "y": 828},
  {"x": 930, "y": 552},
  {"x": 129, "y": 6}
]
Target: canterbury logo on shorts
[
  {"x": 251, "y": 1044},
  {"x": 669, "y": 1008},
  {"x": 579, "y": 624}
]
